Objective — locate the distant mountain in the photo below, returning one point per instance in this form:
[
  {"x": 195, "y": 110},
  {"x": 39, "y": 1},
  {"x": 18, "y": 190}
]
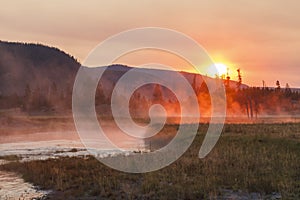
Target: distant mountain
[
  {"x": 39, "y": 66},
  {"x": 38, "y": 77},
  {"x": 114, "y": 72},
  {"x": 34, "y": 65}
]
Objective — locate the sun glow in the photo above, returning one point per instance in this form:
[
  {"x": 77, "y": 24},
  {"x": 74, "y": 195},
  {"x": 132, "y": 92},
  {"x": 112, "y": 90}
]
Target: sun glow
[{"x": 221, "y": 68}]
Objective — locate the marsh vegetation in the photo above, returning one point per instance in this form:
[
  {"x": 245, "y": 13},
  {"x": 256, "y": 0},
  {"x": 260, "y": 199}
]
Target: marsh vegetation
[{"x": 260, "y": 158}]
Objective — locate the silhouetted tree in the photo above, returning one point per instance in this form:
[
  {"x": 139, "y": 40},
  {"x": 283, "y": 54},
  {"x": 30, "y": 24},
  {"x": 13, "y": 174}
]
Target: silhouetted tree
[
  {"x": 157, "y": 94},
  {"x": 227, "y": 81},
  {"x": 239, "y": 82},
  {"x": 277, "y": 85},
  {"x": 195, "y": 85},
  {"x": 100, "y": 98},
  {"x": 27, "y": 97},
  {"x": 287, "y": 90}
]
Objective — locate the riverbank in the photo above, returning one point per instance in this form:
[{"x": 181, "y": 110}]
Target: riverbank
[{"x": 262, "y": 160}]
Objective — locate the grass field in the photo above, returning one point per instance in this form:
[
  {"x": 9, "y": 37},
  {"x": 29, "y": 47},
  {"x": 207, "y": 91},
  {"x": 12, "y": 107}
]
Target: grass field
[{"x": 261, "y": 158}]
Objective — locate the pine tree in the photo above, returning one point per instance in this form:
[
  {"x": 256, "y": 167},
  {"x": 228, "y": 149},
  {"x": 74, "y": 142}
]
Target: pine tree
[
  {"x": 278, "y": 85},
  {"x": 157, "y": 94}
]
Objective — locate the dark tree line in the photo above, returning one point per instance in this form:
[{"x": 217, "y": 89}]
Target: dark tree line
[
  {"x": 39, "y": 99},
  {"x": 269, "y": 101},
  {"x": 241, "y": 100}
]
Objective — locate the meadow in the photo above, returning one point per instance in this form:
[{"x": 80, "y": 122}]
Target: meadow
[{"x": 250, "y": 158}]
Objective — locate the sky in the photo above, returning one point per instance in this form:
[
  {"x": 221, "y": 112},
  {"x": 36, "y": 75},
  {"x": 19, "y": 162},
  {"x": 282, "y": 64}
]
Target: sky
[{"x": 262, "y": 38}]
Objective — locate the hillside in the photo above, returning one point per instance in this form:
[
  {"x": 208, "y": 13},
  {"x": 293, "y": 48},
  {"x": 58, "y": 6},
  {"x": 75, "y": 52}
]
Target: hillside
[
  {"x": 37, "y": 78},
  {"x": 34, "y": 65}
]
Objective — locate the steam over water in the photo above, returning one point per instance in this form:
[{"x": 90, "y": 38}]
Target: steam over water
[
  {"x": 55, "y": 142},
  {"x": 52, "y": 144},
  {"x": 41, "y": 145}
]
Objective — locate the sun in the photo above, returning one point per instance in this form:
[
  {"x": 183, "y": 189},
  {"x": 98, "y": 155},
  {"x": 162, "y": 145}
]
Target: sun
[{"x": 221, "y": 68}]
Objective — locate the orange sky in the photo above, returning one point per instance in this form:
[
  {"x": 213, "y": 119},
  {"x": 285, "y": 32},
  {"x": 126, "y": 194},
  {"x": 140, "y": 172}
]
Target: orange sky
[{"x": 260, "y": 37}]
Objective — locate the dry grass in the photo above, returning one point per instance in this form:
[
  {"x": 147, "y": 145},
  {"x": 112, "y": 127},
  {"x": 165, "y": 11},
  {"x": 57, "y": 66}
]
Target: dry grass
[{"x": 261, "y": 158}]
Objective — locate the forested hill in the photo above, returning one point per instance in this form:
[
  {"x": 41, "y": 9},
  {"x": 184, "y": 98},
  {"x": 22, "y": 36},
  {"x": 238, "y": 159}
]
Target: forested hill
[
  {"x": 35, "y": 66},
  {"x": 39, "y": 77},
  {"x": 36, "y": 78}
]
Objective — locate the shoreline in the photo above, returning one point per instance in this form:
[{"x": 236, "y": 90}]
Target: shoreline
[{"x": 249, "y": 160}]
